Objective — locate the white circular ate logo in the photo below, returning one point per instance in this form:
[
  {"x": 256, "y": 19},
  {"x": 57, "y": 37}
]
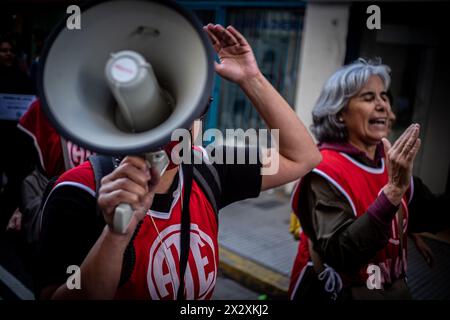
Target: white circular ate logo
[{"x": 163, "y": 277}]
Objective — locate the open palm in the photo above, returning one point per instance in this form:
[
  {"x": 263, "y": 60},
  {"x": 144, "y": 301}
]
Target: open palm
[{"x": 237, "y": 61}]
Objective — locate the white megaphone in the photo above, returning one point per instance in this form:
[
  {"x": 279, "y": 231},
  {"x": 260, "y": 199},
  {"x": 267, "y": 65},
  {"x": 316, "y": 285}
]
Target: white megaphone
[{"x": 133, "y": 73}]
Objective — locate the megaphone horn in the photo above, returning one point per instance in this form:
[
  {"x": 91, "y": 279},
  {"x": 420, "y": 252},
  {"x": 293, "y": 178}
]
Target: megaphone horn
[
  {"x": 158, "y": 77},
  {"x": 122, "y": 88}
]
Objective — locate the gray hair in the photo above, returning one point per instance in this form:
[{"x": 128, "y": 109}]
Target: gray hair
[{"x": 337, "y": 92}]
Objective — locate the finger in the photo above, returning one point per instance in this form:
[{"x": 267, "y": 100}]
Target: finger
[
  {"x": 218, "y": 67},
  {"x": 238, "y": 36},
  {"x": 214, "y": 41},
  {"x": 410, "y": 142},
  {"x": 225, "y": 37},
  {"x": 400, "y": 141},
  {"x": 413, "y": 151},
  {"x": 110, "y": 201},
  {"x": 138, "y": 162},
  {"x": 211, "y": 30},
  {"x": 386, "y": 145},
  {"x": 125, "y": 184},
  {"x": 403, "y": 136},
  {"x": 148, "y": 200},
  {"x": 128, "y": 170}
]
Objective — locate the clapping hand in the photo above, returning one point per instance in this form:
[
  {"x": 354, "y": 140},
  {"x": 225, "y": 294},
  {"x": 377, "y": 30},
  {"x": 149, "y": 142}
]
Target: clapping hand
[{"x": 399, "y": 160}]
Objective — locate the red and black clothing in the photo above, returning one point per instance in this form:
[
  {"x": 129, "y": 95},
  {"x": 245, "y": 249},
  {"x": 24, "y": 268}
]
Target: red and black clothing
[
  {"x": 46, "y": 140},
  {"x": 348, "y": 219},
  {"x": 48, "y": 144},
  {"x": 52, "y": 155},
  {"x": 150, "y": 270}
]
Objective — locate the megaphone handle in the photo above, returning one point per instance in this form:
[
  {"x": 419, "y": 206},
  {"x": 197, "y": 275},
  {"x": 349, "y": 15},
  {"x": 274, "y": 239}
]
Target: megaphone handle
[{"x": 122, "y": 217}]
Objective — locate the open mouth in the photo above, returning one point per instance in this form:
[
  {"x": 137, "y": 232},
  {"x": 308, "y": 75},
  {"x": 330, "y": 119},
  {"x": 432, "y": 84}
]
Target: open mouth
[{"x": 378, "y": 121}]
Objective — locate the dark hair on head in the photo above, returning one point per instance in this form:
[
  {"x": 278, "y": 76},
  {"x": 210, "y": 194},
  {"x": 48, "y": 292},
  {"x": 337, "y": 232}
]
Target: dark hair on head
[{"x": 7, "y": 39}]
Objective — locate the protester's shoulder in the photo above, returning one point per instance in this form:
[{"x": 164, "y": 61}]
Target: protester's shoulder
[
  {"x": 34, "y": 120},
  {"x": 31, "y": 114},
  {"x": 27, "y": 120},
  {"x": 330, "y": 158},
  {"x": 81, "y": 176},
  {"x": 319, "y": 188},
  {"x": 322, "y": 186}
]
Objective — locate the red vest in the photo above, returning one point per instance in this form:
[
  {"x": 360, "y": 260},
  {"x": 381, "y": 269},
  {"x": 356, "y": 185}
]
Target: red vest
[
  {"x": 156, "y": 272},
  {"x": 360, "y": 185},
  {"x": 156, "y": 261},
  {"x": 48, "y": 142}
]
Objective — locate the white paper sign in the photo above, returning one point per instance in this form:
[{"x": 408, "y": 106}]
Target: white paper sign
[{"x": 13, "y": 106}]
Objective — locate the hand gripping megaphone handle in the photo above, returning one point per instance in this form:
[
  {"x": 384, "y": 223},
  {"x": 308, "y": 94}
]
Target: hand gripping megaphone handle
[{"x": 123, "y": 212}]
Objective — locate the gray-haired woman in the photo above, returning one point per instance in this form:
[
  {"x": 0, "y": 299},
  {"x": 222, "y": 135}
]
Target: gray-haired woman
[{"x": 353, "y": 207}]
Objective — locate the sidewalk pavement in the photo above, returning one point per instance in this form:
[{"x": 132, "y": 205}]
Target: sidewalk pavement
[{"x": 257, "y": 250}]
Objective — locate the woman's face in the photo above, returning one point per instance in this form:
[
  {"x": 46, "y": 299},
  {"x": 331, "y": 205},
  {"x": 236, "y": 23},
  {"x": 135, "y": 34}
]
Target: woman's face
[
  {"x": 6, "y": 54},
  {"x": 367, "y": 114}
]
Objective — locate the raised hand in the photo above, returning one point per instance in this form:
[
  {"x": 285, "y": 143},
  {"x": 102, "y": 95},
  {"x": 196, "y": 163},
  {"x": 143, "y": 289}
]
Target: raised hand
[
  {"x": 399, "y": 161},
  {"x": 131, "y": 182},
  {"x": 237, "y": 61}
]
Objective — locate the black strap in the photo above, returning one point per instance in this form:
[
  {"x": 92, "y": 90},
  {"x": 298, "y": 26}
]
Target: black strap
[
  {"x": 207, "y": 178},
  {"x": 102, "y": 166},
  {"x": 185, "y": 227}
]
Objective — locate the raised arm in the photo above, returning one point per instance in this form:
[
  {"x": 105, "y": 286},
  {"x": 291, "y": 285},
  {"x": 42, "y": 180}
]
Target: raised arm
[{"x": 298, "y": 153}]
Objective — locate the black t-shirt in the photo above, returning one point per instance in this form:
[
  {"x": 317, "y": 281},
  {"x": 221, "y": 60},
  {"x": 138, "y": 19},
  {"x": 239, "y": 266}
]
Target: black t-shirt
[{"x": 71, "y": 224}]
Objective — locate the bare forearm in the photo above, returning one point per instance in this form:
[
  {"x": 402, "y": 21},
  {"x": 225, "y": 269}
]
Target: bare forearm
[
  {"x": 100, "y": 270},
  {"x": 297, "y": 152},
  {"x": 296, "y": 144}
]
